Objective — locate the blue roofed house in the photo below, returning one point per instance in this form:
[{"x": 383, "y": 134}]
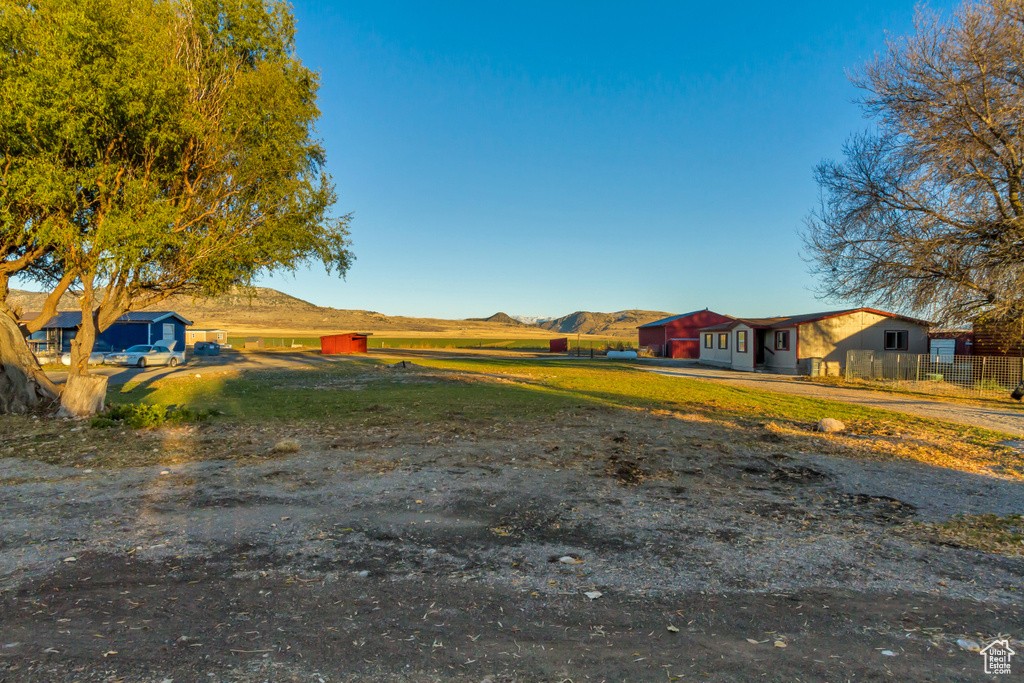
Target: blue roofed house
[{"x": 137, "y": 327}]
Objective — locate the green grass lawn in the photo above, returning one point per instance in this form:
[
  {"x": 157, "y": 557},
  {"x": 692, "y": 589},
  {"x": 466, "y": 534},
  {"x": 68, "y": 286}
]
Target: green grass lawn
[
  {"x": 531, "y": 388},
  {"x": 539, "y": 344},
  {"x": 239, "y": 342},
  {"x": 495, "y": 396}
]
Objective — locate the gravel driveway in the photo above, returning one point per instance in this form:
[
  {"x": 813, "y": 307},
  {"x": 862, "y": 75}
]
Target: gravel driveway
[
  {"x": 1009, "y": 419},
  {"x": 692, "y": 551}
]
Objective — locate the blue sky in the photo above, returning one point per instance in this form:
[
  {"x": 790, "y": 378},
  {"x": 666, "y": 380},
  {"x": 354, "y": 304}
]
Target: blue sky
[{"x": 541, "y": 158}]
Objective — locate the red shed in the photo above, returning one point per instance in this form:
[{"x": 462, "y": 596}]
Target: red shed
[
  {"x": 559, "y": 345},
  {"x": 343, "y": 343},
  {"x": 677, "y": 337}
]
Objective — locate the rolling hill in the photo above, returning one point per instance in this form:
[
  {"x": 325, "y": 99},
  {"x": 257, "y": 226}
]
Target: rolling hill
[
  {"x": 499, "y": 317},
  {"x": 618, "y": 324},
  {"x": 270, "y": 312}
]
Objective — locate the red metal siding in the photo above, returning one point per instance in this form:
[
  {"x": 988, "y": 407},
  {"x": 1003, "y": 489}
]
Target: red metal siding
[
  {"x": 653, "y": 338},
  {"x": 559, "y": 345},
  {"x": 343, "y": 343},
  {"x": 684, "y": 348},
  {"x": 681, "y": 329}
]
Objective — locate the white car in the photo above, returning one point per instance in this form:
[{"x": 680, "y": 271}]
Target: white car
[
  {"x": 95, "y": 358},
  {"x": 143, "y": 355},
  {"x": 99, "y": 353}
]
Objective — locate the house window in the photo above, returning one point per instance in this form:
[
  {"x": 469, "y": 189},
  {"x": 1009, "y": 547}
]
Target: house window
[
  {"x": 895, "y": 340},
  {"x": 741, "y": 341},
  {"x": 782, "y": 340},
  {"x": 723, "y": 340},
  {"x": 707, "y": 342},
  {"x": 220, "y": 335}
]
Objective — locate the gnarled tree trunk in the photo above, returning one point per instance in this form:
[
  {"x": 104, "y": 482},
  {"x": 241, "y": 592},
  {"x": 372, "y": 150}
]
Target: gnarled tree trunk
[
  {"x": 23, "y": 385},
  {"x": 83, "y": 396}
]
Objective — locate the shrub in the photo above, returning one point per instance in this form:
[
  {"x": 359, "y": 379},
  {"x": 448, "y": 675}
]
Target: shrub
[{"x": 143, "y": 415}]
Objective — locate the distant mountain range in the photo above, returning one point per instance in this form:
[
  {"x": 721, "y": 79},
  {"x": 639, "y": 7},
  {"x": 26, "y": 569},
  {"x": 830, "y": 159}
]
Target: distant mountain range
[
  {"x": 620, "y": 323},
  {"x": 532, "y": 319},
  {"x": 268, "y": 311}
]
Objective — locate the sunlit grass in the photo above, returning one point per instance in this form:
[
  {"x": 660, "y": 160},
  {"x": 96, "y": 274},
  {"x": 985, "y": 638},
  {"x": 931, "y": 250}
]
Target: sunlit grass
[
  {"x": 496, "y": 388},
  {"x": 375, "y": 342},
  {"x": 491, "y": 398},
  {"x": 988, "y": 532}
]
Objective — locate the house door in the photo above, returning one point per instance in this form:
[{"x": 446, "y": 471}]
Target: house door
[{"x": 759, "y": 346}]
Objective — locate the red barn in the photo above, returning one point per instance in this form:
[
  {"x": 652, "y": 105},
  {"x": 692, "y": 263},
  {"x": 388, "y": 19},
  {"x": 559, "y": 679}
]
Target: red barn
[
  {"x": 343, "y": 343},
  {"x": 677, "y": 337}
]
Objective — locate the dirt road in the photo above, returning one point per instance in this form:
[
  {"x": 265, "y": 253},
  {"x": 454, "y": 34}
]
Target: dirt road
[{"x": 1008, "y": 419}]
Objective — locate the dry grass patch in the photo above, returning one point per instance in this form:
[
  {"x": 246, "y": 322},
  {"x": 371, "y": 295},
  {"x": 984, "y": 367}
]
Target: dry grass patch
[
  {"x": 880, "y": 441},
  {"x": 990, "y": 533}
]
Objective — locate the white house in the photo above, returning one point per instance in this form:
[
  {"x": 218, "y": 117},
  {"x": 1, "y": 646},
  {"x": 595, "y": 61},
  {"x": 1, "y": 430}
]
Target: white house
[{"x": 785, "y": 344}]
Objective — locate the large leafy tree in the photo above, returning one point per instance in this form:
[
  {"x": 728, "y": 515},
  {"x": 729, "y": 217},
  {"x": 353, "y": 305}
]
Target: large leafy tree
[
  {"x": 149, "y": 148},
  {"x": 925, "y": 213}
]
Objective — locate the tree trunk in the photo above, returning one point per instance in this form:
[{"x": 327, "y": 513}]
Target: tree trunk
[
  {"x": 83, "y": 396},
  {"x": 83, "y": 343},
  {"x": 23, "y": 385}
]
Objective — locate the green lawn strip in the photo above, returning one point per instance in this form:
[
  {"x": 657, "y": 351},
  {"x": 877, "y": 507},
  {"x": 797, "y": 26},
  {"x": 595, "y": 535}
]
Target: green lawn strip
[
  {"x": 317, "y": 395},
  {"x": 541, "y": 344},
  {"x": 622, "y": 385},
  {"x": 436, "y": 396},
  {"x": 373, "y": 342},
  {"x": 239, "y": 342},
  {"x": 539, "y": 387}
]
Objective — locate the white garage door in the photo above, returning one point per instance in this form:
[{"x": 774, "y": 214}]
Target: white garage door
[{"x": 942, "y": 350}]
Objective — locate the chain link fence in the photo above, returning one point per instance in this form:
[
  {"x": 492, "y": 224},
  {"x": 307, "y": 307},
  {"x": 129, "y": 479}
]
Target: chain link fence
[{"x": 936, "y": 373}]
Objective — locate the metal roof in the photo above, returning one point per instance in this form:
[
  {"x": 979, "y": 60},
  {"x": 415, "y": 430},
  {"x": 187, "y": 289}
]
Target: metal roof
[
  {"x": 67, "y": 319},
  {"x": 665, "y": 321},
  {"x": 794, "y": 320},
  {"x": 721, "y": 326}
]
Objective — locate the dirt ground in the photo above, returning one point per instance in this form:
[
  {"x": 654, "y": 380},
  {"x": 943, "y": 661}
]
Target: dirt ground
[
  {"x": 1007, "y": 418},
  {"x": 402, "y": 554}
]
